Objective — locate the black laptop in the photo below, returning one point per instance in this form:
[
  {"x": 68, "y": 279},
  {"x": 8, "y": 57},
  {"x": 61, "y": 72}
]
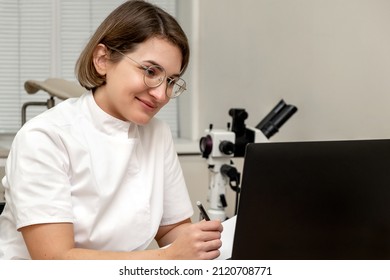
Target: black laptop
[{"x": 326, "y": 200}]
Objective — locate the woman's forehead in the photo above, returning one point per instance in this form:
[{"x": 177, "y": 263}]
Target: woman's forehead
[{"x": 162, "y": 52}]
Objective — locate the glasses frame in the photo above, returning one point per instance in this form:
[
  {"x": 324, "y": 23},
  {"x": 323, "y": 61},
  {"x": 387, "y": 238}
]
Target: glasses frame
[{"x": 170, "y": 80}]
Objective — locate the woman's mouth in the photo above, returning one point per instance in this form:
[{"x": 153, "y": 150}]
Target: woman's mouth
[{"x": 147, "y": 104}]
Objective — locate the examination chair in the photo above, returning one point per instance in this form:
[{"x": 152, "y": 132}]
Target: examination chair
[{"x": 55, "y": 87}]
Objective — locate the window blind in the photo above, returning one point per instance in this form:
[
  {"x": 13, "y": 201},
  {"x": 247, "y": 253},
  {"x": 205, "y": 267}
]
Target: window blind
[{"x": 42, "y": 39}]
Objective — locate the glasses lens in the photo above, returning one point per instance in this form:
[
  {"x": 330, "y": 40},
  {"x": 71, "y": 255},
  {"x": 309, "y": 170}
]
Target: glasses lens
[
  {"x": 178, "y": 87},
  {"x": 154, "y": 76}
]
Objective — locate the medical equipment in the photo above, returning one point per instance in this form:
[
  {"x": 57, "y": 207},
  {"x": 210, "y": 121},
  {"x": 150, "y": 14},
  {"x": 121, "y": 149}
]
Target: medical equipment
[
  {"x": 219, "y": 146},
  {"x": 55, "y": 87}
]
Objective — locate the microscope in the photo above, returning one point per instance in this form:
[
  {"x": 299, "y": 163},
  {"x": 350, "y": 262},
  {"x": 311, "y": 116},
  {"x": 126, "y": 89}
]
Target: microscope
[{"x": 219, "y": 146}]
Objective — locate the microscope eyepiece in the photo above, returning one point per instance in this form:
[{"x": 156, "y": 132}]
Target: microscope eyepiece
[
  {"x": 226, "y": 147},
  {"x": 206, "y": 145}
]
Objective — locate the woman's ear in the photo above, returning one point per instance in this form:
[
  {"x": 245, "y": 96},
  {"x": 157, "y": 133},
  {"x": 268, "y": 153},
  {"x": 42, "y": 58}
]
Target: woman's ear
[{"x": 100, "y": 58}]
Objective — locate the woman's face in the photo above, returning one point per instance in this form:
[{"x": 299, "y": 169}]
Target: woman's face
[{"x": 125, "y": 95}]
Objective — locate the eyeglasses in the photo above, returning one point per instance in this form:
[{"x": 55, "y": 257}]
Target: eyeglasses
[{"x": 155, "y": 75}]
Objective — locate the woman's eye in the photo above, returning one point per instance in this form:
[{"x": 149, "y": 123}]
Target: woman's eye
[
  {"x": 171, "y": 82},
  {"x": 151, "y": 72},
  {"x": 154, "y": 72}
]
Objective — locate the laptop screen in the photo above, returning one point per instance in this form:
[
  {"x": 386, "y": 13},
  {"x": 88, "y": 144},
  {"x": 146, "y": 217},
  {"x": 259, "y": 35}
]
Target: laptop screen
[{"x": 315, "y": 200}]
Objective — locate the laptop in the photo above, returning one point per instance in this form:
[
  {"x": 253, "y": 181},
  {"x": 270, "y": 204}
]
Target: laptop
[{"x": 325, "y": 200}]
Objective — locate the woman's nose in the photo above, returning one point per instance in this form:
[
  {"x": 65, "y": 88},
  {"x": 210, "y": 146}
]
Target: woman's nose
[{"x": 159, "y": 92}]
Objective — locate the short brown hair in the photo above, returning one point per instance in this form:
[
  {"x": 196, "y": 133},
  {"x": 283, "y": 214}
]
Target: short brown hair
[{"x": 128, "y": 25}]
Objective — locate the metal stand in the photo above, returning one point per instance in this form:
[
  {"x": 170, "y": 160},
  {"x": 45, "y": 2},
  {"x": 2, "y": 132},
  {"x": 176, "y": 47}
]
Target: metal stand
[{"x": 49, "y": 104}]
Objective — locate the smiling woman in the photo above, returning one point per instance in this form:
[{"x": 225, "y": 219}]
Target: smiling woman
[
  {"x": 92, "y": 168},
  {"x": 125, "y": 93}
]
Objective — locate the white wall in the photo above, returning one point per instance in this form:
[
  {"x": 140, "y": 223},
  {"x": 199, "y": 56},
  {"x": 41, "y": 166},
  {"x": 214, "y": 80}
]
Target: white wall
[{"x": 330, "y": 58}]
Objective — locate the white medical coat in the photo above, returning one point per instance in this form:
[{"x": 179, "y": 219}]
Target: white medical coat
[{"x": 117, "y": 182}]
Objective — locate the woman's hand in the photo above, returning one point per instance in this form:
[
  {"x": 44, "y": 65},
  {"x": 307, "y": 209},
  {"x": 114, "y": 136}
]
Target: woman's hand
[{"x": 197, "y": 241}]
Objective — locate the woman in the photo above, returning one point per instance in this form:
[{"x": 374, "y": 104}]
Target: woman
[{"x": 97, "y": 177}]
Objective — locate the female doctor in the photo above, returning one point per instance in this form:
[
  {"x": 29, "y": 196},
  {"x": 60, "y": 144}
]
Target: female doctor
[{"x": 98, "y": 177}]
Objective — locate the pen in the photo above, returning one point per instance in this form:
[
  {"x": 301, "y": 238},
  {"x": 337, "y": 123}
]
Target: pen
[{"x": 203, "y": 211}]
